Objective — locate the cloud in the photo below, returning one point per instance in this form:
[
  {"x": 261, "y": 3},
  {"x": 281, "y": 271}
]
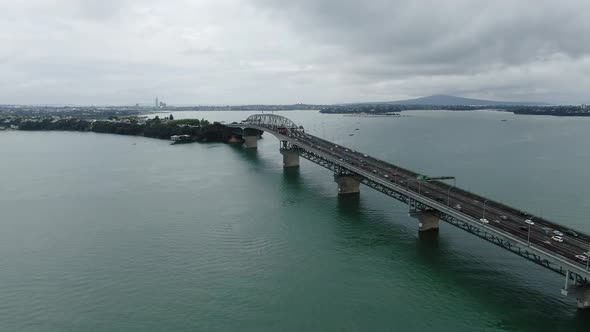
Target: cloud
[{"x": 278, "y": 51}]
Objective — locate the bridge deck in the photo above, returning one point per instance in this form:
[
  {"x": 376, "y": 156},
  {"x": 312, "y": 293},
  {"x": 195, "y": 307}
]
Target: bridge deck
[{"x": 448, "y": 199}]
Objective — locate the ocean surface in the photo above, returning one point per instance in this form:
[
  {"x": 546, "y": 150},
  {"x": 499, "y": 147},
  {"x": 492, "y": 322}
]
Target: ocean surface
[{"x": 116, "y": 233}]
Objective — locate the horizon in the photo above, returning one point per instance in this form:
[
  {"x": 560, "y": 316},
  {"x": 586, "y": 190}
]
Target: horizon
[{"x": 147, "y": 104}]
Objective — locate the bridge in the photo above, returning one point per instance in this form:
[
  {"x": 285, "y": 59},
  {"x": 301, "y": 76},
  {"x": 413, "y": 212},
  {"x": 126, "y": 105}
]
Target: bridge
[{"x": 553, "y": 246}]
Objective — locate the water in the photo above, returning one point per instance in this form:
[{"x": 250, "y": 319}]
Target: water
[{"x": 114, "y": 233}]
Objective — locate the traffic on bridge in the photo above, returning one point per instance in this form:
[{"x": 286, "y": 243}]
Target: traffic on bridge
[{"x": 549, "y": 244}]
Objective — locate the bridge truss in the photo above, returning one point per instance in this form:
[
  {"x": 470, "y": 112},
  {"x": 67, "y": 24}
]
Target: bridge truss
[
  {"x": 415, "y": 206},
  {"x": 271, "y": 121}
]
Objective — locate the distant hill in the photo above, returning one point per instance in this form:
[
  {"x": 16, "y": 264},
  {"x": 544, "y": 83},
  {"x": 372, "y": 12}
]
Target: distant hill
[{"x": 453, "y": 100}]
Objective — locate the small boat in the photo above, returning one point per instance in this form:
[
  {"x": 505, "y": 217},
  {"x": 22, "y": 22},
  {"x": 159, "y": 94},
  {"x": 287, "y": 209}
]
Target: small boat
[
  {"x": 503, "y": 120},
  {"x": 350, "y": 134},
  {"x": 356, "y": 129}
]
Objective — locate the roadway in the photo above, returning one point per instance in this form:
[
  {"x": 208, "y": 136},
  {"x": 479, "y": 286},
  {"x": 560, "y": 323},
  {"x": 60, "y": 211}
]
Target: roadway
[{"x": 498, "y": 215}]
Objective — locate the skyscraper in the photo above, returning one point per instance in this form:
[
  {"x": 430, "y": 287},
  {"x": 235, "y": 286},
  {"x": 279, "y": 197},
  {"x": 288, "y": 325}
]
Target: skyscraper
[{"x": 157, "y": 103}]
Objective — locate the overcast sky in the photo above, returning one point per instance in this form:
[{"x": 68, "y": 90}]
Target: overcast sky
[{"x": 291, "y": 51}]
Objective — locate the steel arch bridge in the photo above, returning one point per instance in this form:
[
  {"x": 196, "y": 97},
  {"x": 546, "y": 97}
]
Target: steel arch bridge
[{"x": 271, "y": 121}]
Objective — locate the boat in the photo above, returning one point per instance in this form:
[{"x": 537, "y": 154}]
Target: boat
[
  {"x": 179, "y": 139},
  {"x": 350, "y": 134}
]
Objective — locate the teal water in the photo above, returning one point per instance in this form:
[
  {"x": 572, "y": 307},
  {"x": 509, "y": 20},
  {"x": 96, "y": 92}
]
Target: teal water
[{"x": 114, "y": 233}]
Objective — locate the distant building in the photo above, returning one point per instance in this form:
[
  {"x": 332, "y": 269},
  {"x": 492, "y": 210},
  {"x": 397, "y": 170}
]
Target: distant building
[
  {"x": 583, "y": 107},
  {"x": 157, "y": 103}
]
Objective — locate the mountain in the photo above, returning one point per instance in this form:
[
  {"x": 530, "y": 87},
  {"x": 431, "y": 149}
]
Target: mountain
[{"x": 453, "y": 100}]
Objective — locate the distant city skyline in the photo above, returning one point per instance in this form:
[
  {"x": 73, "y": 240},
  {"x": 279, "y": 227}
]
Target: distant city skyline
[{"x": 237, "y": 52}]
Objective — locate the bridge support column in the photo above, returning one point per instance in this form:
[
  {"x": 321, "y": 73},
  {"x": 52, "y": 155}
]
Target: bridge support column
[
  {"x": 427, "y": 220},
  {"x": 583, "y": 298},
  {"x": 347, "y": 184},
  {"x": 251, "y": 142},
  {"x": 290, "y": 158}
]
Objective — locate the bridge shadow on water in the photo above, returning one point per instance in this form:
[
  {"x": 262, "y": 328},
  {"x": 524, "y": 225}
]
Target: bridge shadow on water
[
  {"x": 292, "y": 177},
  {"x": 516, "y": 304}
]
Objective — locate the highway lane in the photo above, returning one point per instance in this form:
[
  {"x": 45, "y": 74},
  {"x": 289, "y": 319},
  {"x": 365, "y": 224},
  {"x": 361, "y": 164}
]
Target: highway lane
[{"x": 471, "y": 204}]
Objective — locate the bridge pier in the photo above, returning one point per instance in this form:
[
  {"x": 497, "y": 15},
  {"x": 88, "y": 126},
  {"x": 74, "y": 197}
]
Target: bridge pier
[
  {"x": 583, "y": 298},
  {"x": 290, "y": 158},
  {"x": 347, "y": 184},
  {"x": 251, "y": 142},
  {"x": 427, "y": 220}
]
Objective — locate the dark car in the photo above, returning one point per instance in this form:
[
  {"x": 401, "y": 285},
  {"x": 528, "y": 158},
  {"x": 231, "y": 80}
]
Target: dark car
[{"x": 572, "y": 233}]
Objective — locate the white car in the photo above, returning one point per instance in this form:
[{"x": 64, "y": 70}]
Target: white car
[
  {"x": 385, "y": 175},
  {"x": 503, "y": 217},
  {"x": 365, "y": 156},
  {"x": 530, "y": 222},
  {"x": 558, "y": 233},
  {"x": 458, "y": 206},
  {"x": 583, "y": 258},
  {"x": 557, "y": 238},
  {"x": 483, "y": 220}
]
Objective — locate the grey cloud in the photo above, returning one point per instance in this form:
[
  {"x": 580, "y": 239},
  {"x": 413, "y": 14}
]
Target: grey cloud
[
  {"x": 228, "y": 51},
  {"x": 453, "y": 31}
]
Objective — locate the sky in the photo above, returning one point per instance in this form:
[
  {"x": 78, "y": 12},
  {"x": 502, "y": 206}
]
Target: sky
[{"x": 229, "y": 52}]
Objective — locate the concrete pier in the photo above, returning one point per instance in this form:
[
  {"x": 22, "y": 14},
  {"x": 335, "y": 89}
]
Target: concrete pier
[
  {"x": 251, "y": 142},
  {"x": 583, "y": 298},
  {"x": 347, "y": 184},
  {"x": 427, "y": 220},
  {"x": 290, "y": 158}
]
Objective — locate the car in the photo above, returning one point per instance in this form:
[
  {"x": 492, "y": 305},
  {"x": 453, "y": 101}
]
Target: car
[
  {"x": 558, "y": 233},
  {"x": 572, "y": 233},
  {"x": 496, "y": 220},
  {"x": 582, "y": 258},
  {"x": 483, "y": 220},
  {"x": 530, "y": 222},
  {"x": 331, "y": 149},
  {"x": 440, "y": 199},
  {"x": 386, "y": 175},
  {"x": 458, "y": 206},
  {"x": 392, "y": 180},
  {"x": 523, "y": 227},
  {"x": 503, "y": 217},
  {"x": 346, "y": 150},
  {"x": 375, "y": 171},
  {"x": 557, "y": 238},
  {"x": 365, "y": 156}
]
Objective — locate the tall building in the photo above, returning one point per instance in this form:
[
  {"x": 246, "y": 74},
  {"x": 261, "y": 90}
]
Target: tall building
[{"x": 157, "y": 103}]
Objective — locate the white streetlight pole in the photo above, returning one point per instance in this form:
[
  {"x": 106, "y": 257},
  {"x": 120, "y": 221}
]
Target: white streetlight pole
[
  {"x": 449, "y": 195},
  {"x": 528, "y": 240},
  {"x": 484, "y": 209}
]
